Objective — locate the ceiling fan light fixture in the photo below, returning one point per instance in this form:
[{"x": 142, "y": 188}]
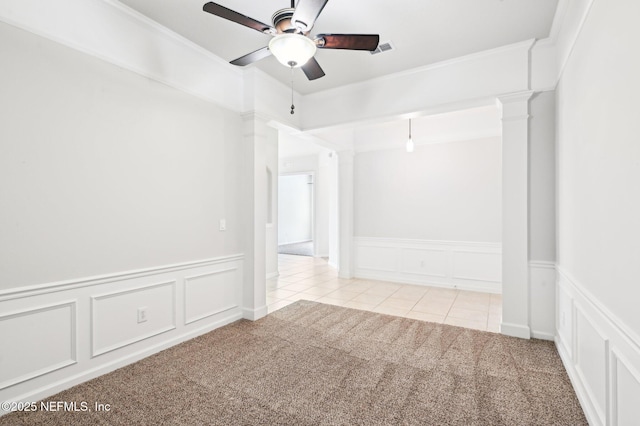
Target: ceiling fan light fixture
[{"x": 292, "y": 50}]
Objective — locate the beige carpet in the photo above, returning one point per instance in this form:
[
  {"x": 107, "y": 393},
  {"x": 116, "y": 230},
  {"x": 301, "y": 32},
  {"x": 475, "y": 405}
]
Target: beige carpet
[{"x": 315, "y": 364}]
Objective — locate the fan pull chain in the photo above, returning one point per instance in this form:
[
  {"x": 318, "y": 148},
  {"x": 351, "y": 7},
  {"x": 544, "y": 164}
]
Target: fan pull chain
[{"x": 292, "y": 106}]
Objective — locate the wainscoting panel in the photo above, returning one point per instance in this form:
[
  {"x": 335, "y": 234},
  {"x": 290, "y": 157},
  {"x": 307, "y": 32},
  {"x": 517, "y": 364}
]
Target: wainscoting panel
[
  {"x": 626, "y": 391},
  {"x": 377, "y": 258},
  {"x": 564, "y": 320},
  {"x": 114, "y": 316},
  {"x": 477, "y": 266},
  {"x": 542, "y": 299},
  {"x": 424, "y": 262},
  {"x": 60, "y": 334},
  {"x": 211, "y": 293},
  {"x": 465, "y": 265},
  {"x": 591, "y": 362},
  {"x": 601, "y": 355},
  {"x": 26, "y": 332}
]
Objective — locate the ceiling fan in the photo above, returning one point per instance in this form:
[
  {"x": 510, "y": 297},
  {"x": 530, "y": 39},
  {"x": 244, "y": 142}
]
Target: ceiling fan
[{"x": 291, "y": 44}]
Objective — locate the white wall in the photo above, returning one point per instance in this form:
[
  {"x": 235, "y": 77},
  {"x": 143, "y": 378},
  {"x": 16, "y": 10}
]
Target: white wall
[
  {"x": 430, "y": 217},
  {"x": 448, "y": 192},
  {"x": 542, "y": 177},
  {"x": 104, "y": 170},
  {"x": 598, "y": 209},
  {"x": 112, "y": 188},
  {"x": 599, "y": 154},
  {"x": 295, "y": 208}
]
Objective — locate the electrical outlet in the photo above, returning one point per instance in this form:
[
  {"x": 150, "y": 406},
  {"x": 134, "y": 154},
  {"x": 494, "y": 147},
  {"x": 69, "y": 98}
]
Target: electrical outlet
[
  {"x": 223, "y": 225},
  {"x": 142, "y": 314}
]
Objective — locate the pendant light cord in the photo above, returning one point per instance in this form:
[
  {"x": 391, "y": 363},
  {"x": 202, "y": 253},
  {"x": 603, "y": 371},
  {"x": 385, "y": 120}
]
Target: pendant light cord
[{"x": 292, "y": 106}]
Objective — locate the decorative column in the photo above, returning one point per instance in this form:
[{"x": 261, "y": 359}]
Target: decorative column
[
  {"x": 345, "y": 214},
  {"x": 515, "y": 224},
  {"x": 255, "y": 137}
]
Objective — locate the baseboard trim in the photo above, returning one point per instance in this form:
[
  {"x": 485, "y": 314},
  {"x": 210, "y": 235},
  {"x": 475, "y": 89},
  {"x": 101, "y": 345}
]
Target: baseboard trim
[
  {"x": 295, "y": 242},
  {"x": 515, "y": 330},
  {"x": 543, "y": 336},
  {"x": 254, "y": 314}
]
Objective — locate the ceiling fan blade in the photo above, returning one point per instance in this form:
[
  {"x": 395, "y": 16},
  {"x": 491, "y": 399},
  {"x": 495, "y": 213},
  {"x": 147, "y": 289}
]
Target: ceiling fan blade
[
  {"x": 236, "y": 17},
  {"x": 312, "y": 69},
  {"x": 252, "y": 57},
  {"x": 306, "y": 13},
  {"x": 348, "y": 41}
]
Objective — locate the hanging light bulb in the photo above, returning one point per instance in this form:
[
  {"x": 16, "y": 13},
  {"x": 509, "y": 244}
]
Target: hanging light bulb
[{"x": 410, "y": 144}]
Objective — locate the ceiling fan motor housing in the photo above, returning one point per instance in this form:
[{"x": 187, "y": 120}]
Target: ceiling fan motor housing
[{"x": 282, "y": 21}]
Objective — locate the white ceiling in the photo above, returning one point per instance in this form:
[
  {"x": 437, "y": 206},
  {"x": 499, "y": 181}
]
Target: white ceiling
[{"x": 423, "y": 32}]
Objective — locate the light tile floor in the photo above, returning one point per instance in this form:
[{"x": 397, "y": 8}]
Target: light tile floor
[{"x": 313, "y": 279}]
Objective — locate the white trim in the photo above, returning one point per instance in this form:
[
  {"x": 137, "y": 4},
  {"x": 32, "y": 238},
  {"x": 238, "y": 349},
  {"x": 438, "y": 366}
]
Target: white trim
[
  {"x": 612, "y": 336},
  {"x": 573, "y": 38},
  {"x": 34, "y": 290},
  {"x": 171, "y": 34},
  {"x": 394, "y": 259},
  {"x": 73, "y": 334},
  {"x": 515, "y": 330},
  {"x": 542, "y": 299},
  {"x": 542, "y": 264},
  {"x": 255, "y": 314},
  {"x": 631, "y": 337},
  {"x": 54, "y": 387},
  {"x": 161, "y": 289},
  {"x": 95, "y": 351},
  {"x": 210, "y": 313},
  {"x": 524, "y": 45},
  {"x": 419, "y": 243},
  {"x": 111, "y": 10}
]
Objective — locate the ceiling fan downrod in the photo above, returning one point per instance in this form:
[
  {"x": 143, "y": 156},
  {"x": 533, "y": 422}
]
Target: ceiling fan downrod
[{"x": 292, "y": 106}]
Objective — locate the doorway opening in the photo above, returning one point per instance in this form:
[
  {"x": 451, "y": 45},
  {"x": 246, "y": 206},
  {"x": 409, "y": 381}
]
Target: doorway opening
[{"x": 296, "y": 214}]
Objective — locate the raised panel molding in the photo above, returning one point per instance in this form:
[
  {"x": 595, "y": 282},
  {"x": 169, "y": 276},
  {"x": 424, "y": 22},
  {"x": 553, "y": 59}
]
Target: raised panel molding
[
  {"x": 37, "y": 341},
  {"x": 592, "y": 361},
  {"x": 600, "y": 353},
  {"x": 625, "y": 391},
  {"x": 114, "y": 316},
  {"x": 477, "y": 266},
  {"x": 473, "y": 266},
  {"x": 57, "y": 335},
  {"x": 542, "y": 299},
  {"x": 429, "y": 262},
  {"x": 209, "y": 294},
  {"x": 377, "y": 258}
]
